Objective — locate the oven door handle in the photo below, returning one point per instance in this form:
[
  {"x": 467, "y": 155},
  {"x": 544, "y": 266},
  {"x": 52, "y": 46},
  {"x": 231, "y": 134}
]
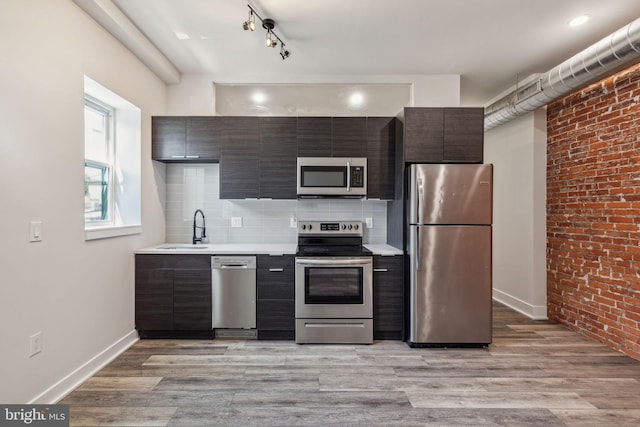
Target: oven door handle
[{"x": 333, "y": 262}]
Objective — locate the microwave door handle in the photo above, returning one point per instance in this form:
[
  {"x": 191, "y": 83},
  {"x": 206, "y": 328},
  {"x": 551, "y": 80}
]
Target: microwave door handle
[{"x": 348, "y": 176}]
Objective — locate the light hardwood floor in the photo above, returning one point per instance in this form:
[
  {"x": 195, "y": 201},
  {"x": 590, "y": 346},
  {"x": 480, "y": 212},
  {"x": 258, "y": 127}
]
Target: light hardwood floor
[{"x": 535, "y": 373}]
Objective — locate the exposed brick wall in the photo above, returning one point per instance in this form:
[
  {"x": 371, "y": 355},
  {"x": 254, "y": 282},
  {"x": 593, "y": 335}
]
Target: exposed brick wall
[{"x": 593, "y": 211}]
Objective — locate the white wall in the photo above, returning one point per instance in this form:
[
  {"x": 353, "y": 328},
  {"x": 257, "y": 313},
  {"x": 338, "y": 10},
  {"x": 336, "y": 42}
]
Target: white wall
[
  {"x": 518, "y": 151},
  {"x": 79, "y": 293}
]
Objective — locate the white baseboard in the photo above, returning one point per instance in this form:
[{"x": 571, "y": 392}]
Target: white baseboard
[
  {"x": 63, "y": 387},
  {"x": 535, "y": 312}
]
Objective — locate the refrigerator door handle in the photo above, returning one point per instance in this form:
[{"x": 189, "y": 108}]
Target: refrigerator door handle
[
  {"x": 418, "y": 255},
  {"x": 420, "y": 190}
]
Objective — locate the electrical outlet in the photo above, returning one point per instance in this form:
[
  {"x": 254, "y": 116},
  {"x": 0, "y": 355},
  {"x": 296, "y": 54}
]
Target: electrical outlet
[
  {"x": 35, "y": 344},
  {"x": 236, "y": 221},
  {"x": 293, "y": 222},
  {"x": 369, "y": 222},
  {"x": 35, "y": 231}
]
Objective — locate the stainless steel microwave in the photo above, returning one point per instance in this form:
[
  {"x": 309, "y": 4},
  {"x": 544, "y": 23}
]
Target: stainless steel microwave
[{"x": 332, "y": 176}]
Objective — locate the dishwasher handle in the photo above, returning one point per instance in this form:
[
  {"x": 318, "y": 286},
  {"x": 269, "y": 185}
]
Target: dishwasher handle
[{"x": 233, "y": 266}]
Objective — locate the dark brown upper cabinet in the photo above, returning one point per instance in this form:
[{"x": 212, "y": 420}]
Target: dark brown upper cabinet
[
  {"x": 204, "y": 138},
  {"x": 314, "y": 136},
  {"x": 278, "y": 157},
  {"x": 381, "y": 154},
  {"x": 463, "y": 135},
  {"x": 349, "y": 137},
  {"x": 168, "y": 138},
  {"x": 184, "y": 139},
  {"x": 443, "y": 135},
  {"x": 240, "y": 158}
]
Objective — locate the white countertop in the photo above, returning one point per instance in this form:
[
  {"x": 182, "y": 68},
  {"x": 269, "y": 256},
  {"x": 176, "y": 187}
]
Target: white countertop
[
  {"x": 222, "y": 248},
  {"x": 246, "y": 248},
  {"x": 384, "y": 250}
]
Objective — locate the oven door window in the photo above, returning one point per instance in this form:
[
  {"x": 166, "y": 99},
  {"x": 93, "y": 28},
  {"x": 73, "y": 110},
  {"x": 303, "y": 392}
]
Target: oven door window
[
  {"x": 333, "y": 285},
  {"x": 323, "y": 176}
]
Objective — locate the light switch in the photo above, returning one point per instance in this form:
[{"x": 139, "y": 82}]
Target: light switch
[
  {"x": 236, "y": 221},
  {"x": 35, "y": 231},
  {"x": 293, "y": 222},
  {"x": 369, "y": 222}
]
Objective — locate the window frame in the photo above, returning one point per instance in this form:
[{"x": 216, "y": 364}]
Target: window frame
[
  {"x": 126, "y": 173},
  {"x": 108, "y": 112}
]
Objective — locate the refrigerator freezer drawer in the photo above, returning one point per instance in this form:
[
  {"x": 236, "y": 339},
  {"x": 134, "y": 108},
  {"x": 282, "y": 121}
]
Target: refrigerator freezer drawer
[{"x": 450, "y": 287}]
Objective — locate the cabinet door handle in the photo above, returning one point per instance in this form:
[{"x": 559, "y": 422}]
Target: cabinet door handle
[
  {"x": 380, "y": 270},
  {"x": 178, "y": 157},
  {"x": 276, "y": 270},
  {"x": 192, "y": 157}
]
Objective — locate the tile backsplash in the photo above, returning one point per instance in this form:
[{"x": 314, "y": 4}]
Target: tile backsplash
[{"x": 191, "y": 187}]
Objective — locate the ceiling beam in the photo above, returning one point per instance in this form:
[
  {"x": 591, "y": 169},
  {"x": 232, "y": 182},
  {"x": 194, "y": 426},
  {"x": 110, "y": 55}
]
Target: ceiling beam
[{"x": 109, "y": 16}]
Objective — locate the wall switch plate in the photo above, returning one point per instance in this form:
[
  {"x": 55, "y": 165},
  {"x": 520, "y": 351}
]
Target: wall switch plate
[
  {"x": 293, "y": 222},
  {"x": 35, "y": 344},
  {"x": 236, "y": 221},
  {"x": 369, "y": 222},
  {"x": 35, "y": 231}
]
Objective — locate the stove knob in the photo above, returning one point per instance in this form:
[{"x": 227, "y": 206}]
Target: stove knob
[
  {"x": 344, "y": 226},
  {"x": 356, "y": 226},
  {"x": 303, "y": 226},
  {"x": 310, "y": 226},
  {"x": 350, "y": 226}
]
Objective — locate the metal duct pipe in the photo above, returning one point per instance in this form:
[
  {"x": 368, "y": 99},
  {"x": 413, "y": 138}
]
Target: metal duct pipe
[{"x": 613, "y": 53}]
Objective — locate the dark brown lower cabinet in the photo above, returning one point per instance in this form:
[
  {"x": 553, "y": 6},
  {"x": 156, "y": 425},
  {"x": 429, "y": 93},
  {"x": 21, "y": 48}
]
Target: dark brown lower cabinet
[
  {"x": 388, "y": 297},
  {"x": 276, "y": 297},
  {"x": 173, "y": 296}
]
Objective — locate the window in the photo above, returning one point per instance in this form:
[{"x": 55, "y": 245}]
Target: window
[
  {"x": 98, "y": 162},
  {"x": 112, "y": 127}
]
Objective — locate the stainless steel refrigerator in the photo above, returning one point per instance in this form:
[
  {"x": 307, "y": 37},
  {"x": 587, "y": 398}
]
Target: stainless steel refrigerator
[{"x": 449, "y": 245}]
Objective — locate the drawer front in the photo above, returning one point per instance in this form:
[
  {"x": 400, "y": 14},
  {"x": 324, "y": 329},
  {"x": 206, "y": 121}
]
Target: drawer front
[{"x": 276, "y": 277}]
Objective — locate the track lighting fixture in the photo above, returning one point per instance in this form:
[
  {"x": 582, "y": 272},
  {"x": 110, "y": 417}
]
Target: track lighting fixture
[
  {"x": 250, "y": 24},
  {"x": 268, "y": 24}
]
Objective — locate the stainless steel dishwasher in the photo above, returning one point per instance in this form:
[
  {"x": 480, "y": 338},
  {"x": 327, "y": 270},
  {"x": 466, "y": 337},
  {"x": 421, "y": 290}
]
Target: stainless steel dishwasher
[{"x": 233, "y": 281}]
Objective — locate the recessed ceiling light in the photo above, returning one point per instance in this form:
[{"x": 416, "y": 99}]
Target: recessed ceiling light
[
  {"x": 182, "y": 36},
  {"x": 356, "y": 99},
  {"x": 258, "y": 97},
  {"x": 579, "y": 20}
]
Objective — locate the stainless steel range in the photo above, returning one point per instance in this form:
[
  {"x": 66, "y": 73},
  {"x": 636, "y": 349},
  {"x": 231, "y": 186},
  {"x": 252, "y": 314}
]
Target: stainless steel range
[{"x": 334, "y": 289}]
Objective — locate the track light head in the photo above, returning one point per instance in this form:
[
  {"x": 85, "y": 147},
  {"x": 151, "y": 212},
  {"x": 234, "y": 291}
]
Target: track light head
[
  {"x": 284, "y": 53},
  {"x": 271, "y": 40},
  {"x": 250, "y": 24}
]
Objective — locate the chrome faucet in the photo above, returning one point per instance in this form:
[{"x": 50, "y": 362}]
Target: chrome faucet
[{"x": 195, "y": 226}]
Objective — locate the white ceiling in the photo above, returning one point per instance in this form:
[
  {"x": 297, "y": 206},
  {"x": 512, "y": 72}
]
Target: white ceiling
[{"x": 489, "y": 43}]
